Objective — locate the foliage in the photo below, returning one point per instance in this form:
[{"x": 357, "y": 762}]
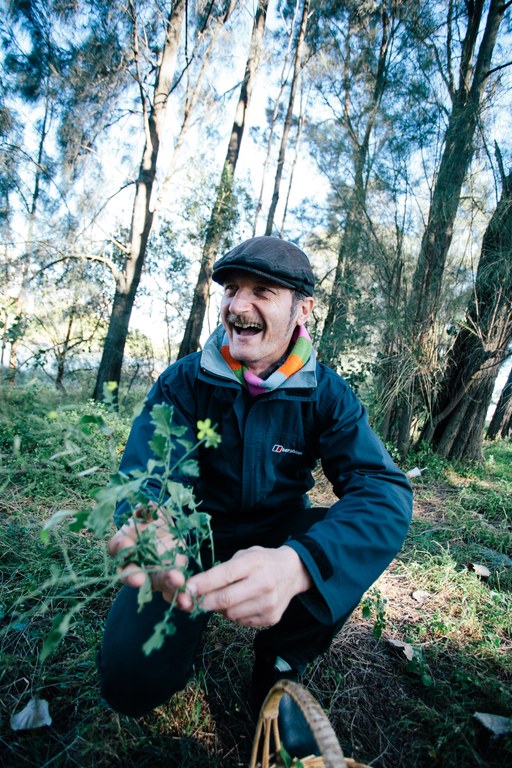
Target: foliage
[
  {"x": 154, "y": 496},
  {"x": 373, "y": 605},
  {"x": 47, "y": 440}
]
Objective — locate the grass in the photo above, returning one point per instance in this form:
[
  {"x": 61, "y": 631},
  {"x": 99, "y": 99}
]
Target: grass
[{"x": 387, "y": 710}]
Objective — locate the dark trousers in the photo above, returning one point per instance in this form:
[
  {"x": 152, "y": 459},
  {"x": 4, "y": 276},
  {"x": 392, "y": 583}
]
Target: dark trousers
[{"x": 134, "y": 684}]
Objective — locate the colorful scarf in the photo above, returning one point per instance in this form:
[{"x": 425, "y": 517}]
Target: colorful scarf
[{"x": 298, "y": 356}]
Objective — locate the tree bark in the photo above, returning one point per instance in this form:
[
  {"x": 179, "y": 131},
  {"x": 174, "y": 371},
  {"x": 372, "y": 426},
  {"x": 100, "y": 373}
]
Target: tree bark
[
  {"x": 502, "y": 413},
  {"x": 455, "y": 428},
  {"x": 219, "y": 219},
  {"x": 297, "y": 66},
  {"x": 61, "y": 352},
  {"x": 128, "y": 280}
]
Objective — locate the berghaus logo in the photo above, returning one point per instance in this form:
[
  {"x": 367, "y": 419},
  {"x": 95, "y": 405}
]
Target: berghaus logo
[{"x": 281, "y": 449}]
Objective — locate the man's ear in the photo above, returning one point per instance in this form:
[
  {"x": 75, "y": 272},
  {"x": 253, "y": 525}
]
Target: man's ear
[{"x": 304, "y": 310}]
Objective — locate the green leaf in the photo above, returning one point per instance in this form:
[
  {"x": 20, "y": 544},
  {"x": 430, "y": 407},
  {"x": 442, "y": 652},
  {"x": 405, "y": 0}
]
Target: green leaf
[
  {"x": 163, "y": 629},
  {"x": 181, "y": 496},
  {"x": 200, "y": 522},
  {"x": 151, "y": 466},
  {"x": 60, "y": 628},
  {"x": 144, "y": 594},
  {"x": 190, "y": 468},
  {"x": 161, "y": 417},
  {"x": 159, "y": 444},
  {"x": 426, "y": 679},
  {"x": 80, "y": 521},
  {"x": 118, "y": 479},
  {"x": 91, "y": 420}
]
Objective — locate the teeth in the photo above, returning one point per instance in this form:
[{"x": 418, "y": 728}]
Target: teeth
[{"x": 241, "y": 324}]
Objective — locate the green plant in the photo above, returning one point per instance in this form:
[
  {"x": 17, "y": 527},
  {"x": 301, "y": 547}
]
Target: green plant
[
  {"x": 373, "y": 604},
  {"x": 417, "y": 666},
  {"x": 423, "y": 456},
  {"x": 152, "y": 496}
]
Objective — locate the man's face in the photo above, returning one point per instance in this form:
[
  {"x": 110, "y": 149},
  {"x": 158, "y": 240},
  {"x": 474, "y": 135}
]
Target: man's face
[{"x": 259, "y": 317}]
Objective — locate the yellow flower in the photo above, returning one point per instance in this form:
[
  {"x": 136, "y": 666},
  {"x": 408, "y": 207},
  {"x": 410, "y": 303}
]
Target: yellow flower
[{"x": 206, "y": 432}]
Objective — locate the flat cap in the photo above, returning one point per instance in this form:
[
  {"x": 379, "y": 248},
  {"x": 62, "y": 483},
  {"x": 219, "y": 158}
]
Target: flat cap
[{"x": 277, "y": 260}]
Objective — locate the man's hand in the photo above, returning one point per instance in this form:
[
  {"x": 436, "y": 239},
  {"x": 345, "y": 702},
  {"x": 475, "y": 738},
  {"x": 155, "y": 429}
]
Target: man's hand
[
  {"x": 254, "y": 588},
  {"x": 165, "y": 581}
]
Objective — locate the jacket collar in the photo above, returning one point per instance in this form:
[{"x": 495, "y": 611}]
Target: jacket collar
[{"x": 213, "y": 363}]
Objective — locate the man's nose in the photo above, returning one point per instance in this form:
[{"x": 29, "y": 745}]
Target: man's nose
[{"x": 240, "y": 302}]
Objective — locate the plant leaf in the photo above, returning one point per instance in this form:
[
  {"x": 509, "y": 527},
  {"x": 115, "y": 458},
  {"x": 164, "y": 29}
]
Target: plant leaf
[
  {"x": 60, "y": 628},
  {"x": 159, "y": 446},
  {"x": 144, "y": 594},
  {"x": 161, "y": 417},
  {"x": 190, "y": 468},
  {"x": 163, "y": 629}
]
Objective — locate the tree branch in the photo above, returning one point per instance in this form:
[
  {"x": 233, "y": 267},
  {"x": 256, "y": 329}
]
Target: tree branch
[
  {"x": 79, "y": 257},
  {"x": 497, "y": 69}
]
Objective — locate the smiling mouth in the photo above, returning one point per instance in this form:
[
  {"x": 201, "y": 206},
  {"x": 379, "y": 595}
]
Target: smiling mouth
[{"x": 246, "y": 328}]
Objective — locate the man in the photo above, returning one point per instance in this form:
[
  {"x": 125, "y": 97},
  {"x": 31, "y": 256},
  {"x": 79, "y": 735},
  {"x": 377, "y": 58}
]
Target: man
[{"x": 295, "y": 571}]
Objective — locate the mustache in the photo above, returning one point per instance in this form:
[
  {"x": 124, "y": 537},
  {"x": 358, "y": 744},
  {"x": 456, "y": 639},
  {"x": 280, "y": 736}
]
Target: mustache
[{"x": 231, "y": 318}]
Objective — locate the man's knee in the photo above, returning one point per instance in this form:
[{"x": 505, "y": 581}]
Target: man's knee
[
  {"x": 136, "y": 692},
  {"x": 132, "y": 682}
]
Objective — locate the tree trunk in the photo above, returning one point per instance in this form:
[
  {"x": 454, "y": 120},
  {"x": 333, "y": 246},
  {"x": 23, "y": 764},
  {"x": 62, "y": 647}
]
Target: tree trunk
[
  {"x": 333, "y": 334},
  {"x": 61, "y": 352},
  {"x": 503, "y": 411},
  {"x": 219, "y": 219},
  {"x": 272, "y": 127},
  {"x": 192, "y": 97},
  {"x": 455, "y": 161},
  {"x": 296, "y": 155},
  {"x": 482, "y": 344},
  {"x": 462, "y": 433},
  {"x": 19, "y": 301},
  {"x": 297, "y": 66},
  {"x": 127, "y": 282}
]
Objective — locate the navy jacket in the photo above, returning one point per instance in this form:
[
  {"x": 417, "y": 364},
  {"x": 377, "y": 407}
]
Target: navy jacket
[{"x": 270, "y": 445}]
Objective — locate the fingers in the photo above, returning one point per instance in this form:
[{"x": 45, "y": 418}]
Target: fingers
[
  {"x": 244, "y": 589},
  {"x": 167, "y": 581},
  {"x": 218, "y": 577},
  {"x": 125, "y": 537}
]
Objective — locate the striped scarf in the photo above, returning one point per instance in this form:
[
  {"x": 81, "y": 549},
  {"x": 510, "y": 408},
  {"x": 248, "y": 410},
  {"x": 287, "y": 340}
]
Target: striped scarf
[{"x": 297, "y": 357}]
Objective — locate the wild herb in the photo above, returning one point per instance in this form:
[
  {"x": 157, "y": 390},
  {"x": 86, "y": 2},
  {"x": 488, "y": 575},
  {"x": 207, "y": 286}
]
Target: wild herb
[{"x": 155, "y": 498}]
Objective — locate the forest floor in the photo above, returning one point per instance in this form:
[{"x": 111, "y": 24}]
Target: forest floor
[{"x": 427, "y": 650}]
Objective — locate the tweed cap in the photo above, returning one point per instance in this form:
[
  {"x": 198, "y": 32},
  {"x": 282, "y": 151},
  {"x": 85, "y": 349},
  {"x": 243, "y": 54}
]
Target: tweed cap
[{"x": 277, "y": 260}]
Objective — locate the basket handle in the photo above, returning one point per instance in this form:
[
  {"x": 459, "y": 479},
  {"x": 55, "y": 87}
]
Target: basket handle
[{"x": 315, "y": 717}]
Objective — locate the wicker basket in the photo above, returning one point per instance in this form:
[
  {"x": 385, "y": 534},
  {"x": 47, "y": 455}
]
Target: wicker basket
[{"x": 322, "y": 730}]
